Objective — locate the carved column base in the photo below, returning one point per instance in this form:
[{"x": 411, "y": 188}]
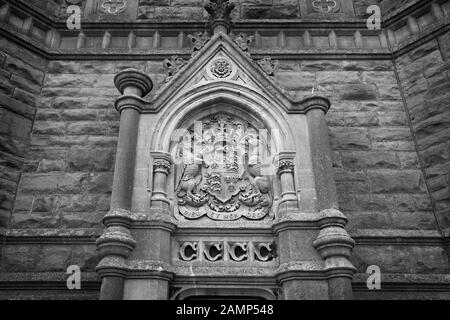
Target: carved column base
[{"x": 335, "y": 246}]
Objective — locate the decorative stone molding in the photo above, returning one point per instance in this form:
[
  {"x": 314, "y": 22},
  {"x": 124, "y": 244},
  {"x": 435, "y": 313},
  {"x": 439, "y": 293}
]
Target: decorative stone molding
[
  {"x": 237, "y": 251},
  {"x": 198, "y": 39},
  {"x": 116, "y": 241},
  {"x": 264, "y": 251},
  {"x": 333, "y": 242},
  {"x": 134, "y": 82},
  {"x": 268, "y": 65},
  {"x": 213, "y": 251},
  {"x": 219, "y": 15},
  {"x": 118, "y": 217},
  {"x": 285, "y": 166},
  {"x": 162, "y": 165},
  {"x": 325, "y": 6},
  {"x": 112, "y": 6}
]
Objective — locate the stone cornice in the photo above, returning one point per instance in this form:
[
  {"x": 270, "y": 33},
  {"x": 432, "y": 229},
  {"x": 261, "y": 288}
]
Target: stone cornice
[{"x": 48, "y": 48}]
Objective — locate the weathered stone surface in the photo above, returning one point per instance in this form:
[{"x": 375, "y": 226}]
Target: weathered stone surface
[
  {"x": 401, "y": 259},
  {"x": 19, "y": 258},
  {"x": 396, "y": 181},
  {"x": 24, "y": 70},
  {"x": 349, "y": 139},
  {"x": 60, "y": 182},
  {"x": 370, "y": 160},
  {"x": 358, "y": 92},
  {"x": 90, "y": 159}
]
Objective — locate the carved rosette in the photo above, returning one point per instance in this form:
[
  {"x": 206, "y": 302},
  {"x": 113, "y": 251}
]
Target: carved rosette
[{"x": 221, "y": 68}]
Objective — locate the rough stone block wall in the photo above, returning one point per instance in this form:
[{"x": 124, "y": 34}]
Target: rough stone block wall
[
  {"x": 424, "y": 74},
  {"x": 380, "y": 183},
  {"x": 22, "y": 76},
  {"x": 66, "y": 180}
]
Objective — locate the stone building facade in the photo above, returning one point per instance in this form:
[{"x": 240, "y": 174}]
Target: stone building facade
[{"x": 355, "y": 123}]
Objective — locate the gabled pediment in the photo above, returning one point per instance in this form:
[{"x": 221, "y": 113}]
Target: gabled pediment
[{"x": 222, "y": 64}]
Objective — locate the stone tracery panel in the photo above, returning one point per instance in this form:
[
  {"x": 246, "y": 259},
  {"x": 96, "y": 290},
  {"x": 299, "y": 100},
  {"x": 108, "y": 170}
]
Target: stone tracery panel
[
  {"x": 221, "y": 171},
  {"x": 236, "y": 251}
]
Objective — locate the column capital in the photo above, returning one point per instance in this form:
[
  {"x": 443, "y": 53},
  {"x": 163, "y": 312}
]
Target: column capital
[
  {"x": 162, "y": 165},
  {"x": 285, "y": 161},
  {"x": 161, "y": 161},
  {"x": 133, "y": 82},
  {"x": 316, "y": 103}
]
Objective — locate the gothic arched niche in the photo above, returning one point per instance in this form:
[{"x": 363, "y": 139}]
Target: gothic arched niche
[{"x": 224, "y": 168}]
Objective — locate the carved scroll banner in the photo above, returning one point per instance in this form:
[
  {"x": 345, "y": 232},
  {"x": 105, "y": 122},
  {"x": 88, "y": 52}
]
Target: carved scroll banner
[{"x": 221, "y": 174}]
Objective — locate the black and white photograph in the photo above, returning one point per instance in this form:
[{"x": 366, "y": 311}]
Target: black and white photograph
[{"x": 225, "y": 155}]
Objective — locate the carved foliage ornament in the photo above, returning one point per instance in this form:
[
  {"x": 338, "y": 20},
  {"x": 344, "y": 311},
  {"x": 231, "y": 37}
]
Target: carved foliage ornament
[
  {"x": 198, "y": 39},
  {"x": 221, "y": 175},
  {"x": 243, "y": 41},
  {"x": 268, "y": 65},
  {"x": 286, "y": 165},
  {"x": 219, "y": 11},
  {"x": 172, "y": 66},
  {"x": 161, "y": 164},
  {"x": 113, "y": 6}
]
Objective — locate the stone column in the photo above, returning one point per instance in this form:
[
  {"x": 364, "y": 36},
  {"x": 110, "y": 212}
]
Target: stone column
[
  {"x": 333, "y": 242},
  {"x": 289, "y": 201},
  {"x": 321, "y": 157},
  {"x": 335, "y": 246},
  {"x": 154, "y": 240},
  {"x": 161, "y": 169},
  {"x": 116, "y": 243}
]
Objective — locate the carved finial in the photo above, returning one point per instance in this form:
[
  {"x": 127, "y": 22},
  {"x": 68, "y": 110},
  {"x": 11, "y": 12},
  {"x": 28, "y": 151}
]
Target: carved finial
[
  {"x": 172, "y": 66},
  {"x": 269, "y": 66},
  {"x": 244, "y": 41},
  {"x": 198, "y": 39},
  {"x": 219, "y": 11}
]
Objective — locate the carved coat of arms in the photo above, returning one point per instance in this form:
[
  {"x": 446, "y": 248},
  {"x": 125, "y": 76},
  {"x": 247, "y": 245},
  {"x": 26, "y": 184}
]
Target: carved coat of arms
[{"x": 221, "y": 175}]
